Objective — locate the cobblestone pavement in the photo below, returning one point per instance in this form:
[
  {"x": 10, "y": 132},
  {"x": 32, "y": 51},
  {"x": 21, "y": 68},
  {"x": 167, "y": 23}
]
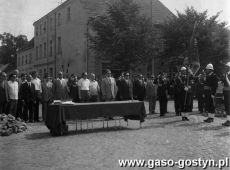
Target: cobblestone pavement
[{"x": 100, "y": 149}]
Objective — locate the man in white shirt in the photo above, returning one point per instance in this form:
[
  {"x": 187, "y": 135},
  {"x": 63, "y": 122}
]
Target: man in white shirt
[
  {"x": 94, "y": 89},
  {"x": 83, "y": 85},
  {"x": 13, "y": 94},
  {"x": 38, "y": 90}
]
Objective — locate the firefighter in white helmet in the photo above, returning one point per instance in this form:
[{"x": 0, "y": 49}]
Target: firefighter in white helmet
[
  {"x": 227, "y": 95},
  {"x": 210, "y": 86}
]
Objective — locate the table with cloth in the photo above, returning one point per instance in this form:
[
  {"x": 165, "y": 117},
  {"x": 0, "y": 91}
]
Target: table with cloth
[{"x": 61, "y": 112}]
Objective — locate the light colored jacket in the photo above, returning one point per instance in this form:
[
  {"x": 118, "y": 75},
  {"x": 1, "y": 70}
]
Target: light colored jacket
[
  {"x": 151, "y": 89},
  {"x": 108, "y": 88},
  {"x": 61, "y": 89}
]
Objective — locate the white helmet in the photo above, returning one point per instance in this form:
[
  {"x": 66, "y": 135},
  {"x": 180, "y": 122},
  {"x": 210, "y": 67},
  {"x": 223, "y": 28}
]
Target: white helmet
[
  {"x": 209, "y": 67},
  {"x": 183, "y": 69},
  {"x": 228, "y": 64}
]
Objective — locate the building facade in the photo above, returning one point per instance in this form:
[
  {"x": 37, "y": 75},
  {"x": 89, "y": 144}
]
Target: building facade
[
  {"x": 25, "y": 60},
  {"x": 61, "y": 42}
]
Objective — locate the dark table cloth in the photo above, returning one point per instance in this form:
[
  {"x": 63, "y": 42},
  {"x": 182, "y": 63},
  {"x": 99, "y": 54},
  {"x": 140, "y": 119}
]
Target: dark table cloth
[{"x": 59, "y": 113}]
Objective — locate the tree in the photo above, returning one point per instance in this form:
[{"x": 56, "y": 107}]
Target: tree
[
  {"x": 122, "y": 35},
  {"x": 9, "y": 47},
  {"x": 212, "y": 36}
]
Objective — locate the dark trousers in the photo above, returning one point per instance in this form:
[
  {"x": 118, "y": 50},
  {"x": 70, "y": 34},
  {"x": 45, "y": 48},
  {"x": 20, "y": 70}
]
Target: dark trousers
[
  {"x": 29, "y": 107},
  {"x": 178, "y": 104},
  {"x": 36, "y": 110},
  {"x": 84, "y": 95},
  {"x": 44, "y": 110},
  {"x": 12, "y": 107},
  {"x": 200, "y": 103},
  {"x": 20, "y": 109},
  {"x": 209, "y": 104},
  {"x": 227, "y": 101},
  {"x": 163, "y": 106},
  {"x": 94, "y": 98},
  {"x": 3, "y": 107}
]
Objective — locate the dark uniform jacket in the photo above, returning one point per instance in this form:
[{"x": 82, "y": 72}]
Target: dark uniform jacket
[
  {"x": 211, "y": 84},
  {"x": 139, "y": 90}
]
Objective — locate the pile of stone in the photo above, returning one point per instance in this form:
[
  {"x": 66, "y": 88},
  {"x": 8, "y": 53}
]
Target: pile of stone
[{"x": 10, "y": 125}]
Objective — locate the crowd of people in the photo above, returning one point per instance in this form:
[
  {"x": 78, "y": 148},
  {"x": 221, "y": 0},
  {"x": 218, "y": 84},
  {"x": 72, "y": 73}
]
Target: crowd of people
[{"x": 21, "y": 96}]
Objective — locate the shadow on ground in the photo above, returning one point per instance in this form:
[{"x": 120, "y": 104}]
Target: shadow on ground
[{"x": 46, "y": 135}]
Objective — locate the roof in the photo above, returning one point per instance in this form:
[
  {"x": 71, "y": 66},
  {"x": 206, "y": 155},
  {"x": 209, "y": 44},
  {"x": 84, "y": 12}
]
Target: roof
[
  {"x": 30, "y": 45},
  {"x": 159, "y": 11}
]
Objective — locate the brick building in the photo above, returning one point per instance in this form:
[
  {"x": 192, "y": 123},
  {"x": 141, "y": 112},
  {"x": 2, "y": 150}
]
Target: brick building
[{"x": 60, "y": 37}]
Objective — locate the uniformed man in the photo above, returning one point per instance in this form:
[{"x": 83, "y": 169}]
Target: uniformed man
[
  {"x": 210, "y": 86},
  {"x": 227, "y": 95},
  {"x": 185, "y": 88}
]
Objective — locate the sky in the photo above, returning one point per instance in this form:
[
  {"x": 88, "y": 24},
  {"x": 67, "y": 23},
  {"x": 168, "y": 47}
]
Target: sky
[{"x": 17, "y": 16}]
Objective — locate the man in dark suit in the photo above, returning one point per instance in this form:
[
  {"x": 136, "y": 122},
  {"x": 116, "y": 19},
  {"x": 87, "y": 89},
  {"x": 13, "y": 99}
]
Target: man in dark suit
[
  {"x": 126, "y": 88},
  {"x": 29, "y": 97},
  {"x": 139, "y": 88},
  {"x": 20, "y": 102},
  {"x": 3, "y": 93}
]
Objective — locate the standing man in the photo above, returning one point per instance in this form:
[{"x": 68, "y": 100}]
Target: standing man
[
  {"x": 61, "y": 89},
  {"x": 83, "y": 85},
  {"x": 126, "y": 88},
  {"x": 186, "y": 92},
  {"x": 94, "y": 89},
  {"x": 21, "y": 103},
  {"x": 47, "y": 95},
  {"x": 139, "y": 88},
  {"x": 200, "y": 92},
  {"x": 210, "y": 86},
  {"x": 151, "y": 92},
  {"x": 3, "y": 92},
  {"x": 13, "y": 94},
  {"x": 29, "y": 97},
  {"x": 227, "y": 95},
  {"x": 38, "y": 91},
  {"x": 108, "y": 87}
]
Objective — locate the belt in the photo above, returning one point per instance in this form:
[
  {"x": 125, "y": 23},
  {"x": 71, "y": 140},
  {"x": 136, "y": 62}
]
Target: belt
[
  {"x": 207, "y": 88},
  {"x": 226, "y": 88}
]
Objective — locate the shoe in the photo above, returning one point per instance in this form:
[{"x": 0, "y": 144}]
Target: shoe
[
  {"x": 186, "y": 119},
  {"x": 227, "y": 123},
  {"x": 209, "y": 120}
]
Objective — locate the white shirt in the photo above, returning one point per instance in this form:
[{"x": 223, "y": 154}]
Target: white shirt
[
  {"x": 83, "y": 84},
  {"x": 94, "y": 88},
  {"x": 37, "y": 84},
  {"x": 13, "y": 90}
]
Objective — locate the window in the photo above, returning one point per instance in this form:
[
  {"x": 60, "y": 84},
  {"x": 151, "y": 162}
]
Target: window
[
  {"x": 51, "y": 48},
  {"x": 40, "y": 72},
  {"x": 51, "y": 24},
  {"x": 59, "y": 19},
  {"x": 36, "y": 52},
  {"x": 26, "y": 59},
  {"x": 44, "y": 28},
  {"x": 36, "y": 31},
  {"x": 40, "y": 51},
  {"x": 40, "y": 29},
  {"x": 30, "y": 58},
  {"x": 51, "y": 72},
  {"x": 59, "y": 45},
  {"x": 44, "y": 72},
  {"x": 68, "y": 14},
  {"x": 18, "y": 60},
  {"x": 44, "y": 49},
  {"x": 22, "y": 60}
]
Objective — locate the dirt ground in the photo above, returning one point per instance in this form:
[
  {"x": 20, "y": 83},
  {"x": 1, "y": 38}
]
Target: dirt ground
[{"x": 100, "y": 149}]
